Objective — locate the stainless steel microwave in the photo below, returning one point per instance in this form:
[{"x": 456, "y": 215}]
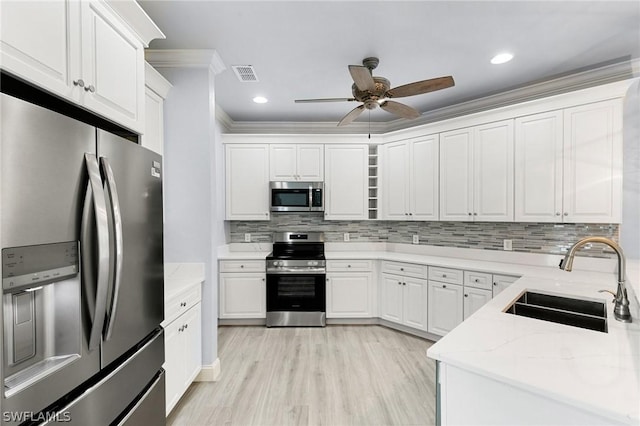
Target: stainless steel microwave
[{"x": 296, "y": 196}]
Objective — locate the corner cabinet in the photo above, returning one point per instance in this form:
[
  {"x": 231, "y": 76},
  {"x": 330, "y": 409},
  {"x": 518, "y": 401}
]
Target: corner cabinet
[
  {"x": 247, "y": 184},
  {"x": 569, "y": 165},
  {"x": 80, "y": 51},
  {"x": 410, "y": 179},
  {"x": 476, "y": 173},
  {"x": 346, "y": 182},
  {"x": 183, "y": 342}
]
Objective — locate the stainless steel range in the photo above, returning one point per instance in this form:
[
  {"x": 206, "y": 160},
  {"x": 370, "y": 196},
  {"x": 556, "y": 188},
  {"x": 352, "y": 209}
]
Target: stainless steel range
[{"x": 296, "y": 280}]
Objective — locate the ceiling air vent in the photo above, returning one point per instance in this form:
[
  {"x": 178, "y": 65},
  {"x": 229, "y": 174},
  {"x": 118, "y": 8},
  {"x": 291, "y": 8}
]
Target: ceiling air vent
[{"x": 245, "y": 73}]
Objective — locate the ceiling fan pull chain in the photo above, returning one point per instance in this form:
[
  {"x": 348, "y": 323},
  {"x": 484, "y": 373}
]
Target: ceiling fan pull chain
[{"x": 369, "y": 124}]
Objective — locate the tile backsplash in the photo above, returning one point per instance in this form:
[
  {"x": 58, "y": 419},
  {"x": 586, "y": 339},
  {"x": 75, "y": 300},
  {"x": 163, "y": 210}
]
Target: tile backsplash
[{"x": 548, "y": 238}]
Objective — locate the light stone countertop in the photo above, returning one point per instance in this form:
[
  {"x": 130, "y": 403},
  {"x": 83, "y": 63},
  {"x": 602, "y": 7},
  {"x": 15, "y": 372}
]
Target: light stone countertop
[
  {"x": 594, "y": 371},
  {"x": 179, "y": 276}
]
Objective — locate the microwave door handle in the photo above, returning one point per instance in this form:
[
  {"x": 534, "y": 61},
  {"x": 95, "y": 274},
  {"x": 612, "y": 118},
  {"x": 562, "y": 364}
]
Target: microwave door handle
[
  {"x": 310, "y": 198},
  {"x": 95, "y": 206},
  {"x": 116, "y": 217}
]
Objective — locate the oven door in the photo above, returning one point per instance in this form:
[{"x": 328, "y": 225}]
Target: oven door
[{"x": 296, "y": 292}]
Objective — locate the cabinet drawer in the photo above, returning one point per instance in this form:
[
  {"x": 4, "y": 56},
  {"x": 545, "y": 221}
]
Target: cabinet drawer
[
  {"x": 405, "y": 269},
  {"x": 478, "y": 280},
  {"x": 180, "y": 302},
  {"x": 349, "y": 265},
  {"x": 242, "y": 265},
  {"x": 445, "y": 275}
]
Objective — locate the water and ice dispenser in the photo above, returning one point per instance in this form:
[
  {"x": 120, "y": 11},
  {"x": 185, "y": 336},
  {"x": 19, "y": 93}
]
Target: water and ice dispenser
[{"x": 41, "y": 296}]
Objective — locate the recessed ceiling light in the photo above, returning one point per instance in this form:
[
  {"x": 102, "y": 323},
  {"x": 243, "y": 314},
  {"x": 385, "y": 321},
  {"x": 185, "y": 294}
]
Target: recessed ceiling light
[
  {"x": 260, "y": 100},
  {"x": 501, "y": 58}
]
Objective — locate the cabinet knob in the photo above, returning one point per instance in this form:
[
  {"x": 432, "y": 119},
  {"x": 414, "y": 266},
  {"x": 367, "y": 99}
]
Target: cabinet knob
[
  {"x": 475, "y": 214},
  {"x": 495, "y": 284},
  {"x": 180, "y": 329},
  {"x": 410, "y": 214},
  {"x": 90, "y": 88},
  {"x": 566, "y": 214},
  {"x": 348, "y": 266},
  {"x": 444, "y": 275},
  {"x": 469, "y": 213},
  {"x": 466, "y": 295},
  {"x": 242, "y": 266},
  {"x": 186, "y": 326},
  {"x": 476, "y": 280},
  {"x": 79, "y": 82},
  {"x": 266, "y": 214},
  {"x": 444, "y": 286},
  {"x": 404, "y": 283},
  {"x": 263, "y": 279},
  {"x": 402, "y": 269},
  {"x": 557, "y": 213},
  {"x": 399, "y": 283}
]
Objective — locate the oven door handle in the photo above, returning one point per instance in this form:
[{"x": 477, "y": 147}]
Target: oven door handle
[{"x": 289, "y": 271}]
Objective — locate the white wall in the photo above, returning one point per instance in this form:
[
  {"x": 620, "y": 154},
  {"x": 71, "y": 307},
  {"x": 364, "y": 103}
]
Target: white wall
[
  {"x": 630, "y": 228},
  {"x": 192, "y": 151}
]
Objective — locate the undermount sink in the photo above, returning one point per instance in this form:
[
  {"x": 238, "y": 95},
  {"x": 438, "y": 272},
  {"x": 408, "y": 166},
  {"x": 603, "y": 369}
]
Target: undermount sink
[{"x": 563, "y": 310}]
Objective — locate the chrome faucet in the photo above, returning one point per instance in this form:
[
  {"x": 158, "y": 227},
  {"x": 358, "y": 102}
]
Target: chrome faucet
[{"x": 621, "y": 309}]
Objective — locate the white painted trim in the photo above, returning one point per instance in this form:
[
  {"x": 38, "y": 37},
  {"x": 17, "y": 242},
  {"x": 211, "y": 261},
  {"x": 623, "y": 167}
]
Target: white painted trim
[
  {"x": 185, "y": 58},
  {"x": 233, "y": 138},
  {"x": 209, "y": 373},
  {"x": 137, "y": 20},
  {"x": 155, "y": 81}
]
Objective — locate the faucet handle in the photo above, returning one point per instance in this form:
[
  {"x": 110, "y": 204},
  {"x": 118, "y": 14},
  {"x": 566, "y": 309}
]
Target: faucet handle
[
  {"x": 561, "y": 262},
  {"x": 609, "y": 291}
]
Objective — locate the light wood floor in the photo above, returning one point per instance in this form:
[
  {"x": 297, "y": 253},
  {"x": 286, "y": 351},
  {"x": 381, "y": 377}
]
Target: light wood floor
[{"x": 338, "y": 375}]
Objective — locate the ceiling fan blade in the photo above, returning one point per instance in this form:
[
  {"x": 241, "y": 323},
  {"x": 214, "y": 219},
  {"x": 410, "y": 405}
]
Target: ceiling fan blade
[
  {"x": 362, "y": 77},
  {"x": 303, "y": 101},
  {"x": 420, "y": 87},
  {"x": 399, "y": 109},
  {"x": 352, "y": 115}
]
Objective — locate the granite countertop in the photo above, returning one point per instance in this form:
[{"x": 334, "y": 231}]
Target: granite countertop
[{"x": 594, "y": 371}]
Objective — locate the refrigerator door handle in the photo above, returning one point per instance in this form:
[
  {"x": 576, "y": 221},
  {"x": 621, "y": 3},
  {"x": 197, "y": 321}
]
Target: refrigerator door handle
[
  {"x": 95, "y": 203},
  {"x": 116, "y": 217}
]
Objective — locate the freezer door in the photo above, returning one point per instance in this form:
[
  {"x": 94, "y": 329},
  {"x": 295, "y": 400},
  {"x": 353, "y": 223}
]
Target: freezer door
[{"x": 133, "y": 185}]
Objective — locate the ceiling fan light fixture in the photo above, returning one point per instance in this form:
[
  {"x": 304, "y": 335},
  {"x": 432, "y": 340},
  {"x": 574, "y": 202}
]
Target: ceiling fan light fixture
[
  {"x": 260, "y": 100},
  {"x": 501, "y": 58}
]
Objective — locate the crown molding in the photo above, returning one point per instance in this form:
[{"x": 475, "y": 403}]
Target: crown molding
[
  {"x": 137, "y": 19},
  {"x": 185, "y": 58},
  {"x": 583, "y": 79}
]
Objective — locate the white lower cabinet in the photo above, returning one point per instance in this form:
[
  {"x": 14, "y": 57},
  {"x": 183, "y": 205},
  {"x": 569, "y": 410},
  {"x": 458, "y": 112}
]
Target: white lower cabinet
[
  {"x": 243, "y": 294},
  {"x": 349, "y": 295},
  {"x": 404, "y": 297},
  {"x": 445, "y": 307},
  {"x": 474, "y": 299},
  {"x": 500, "y": 282},
  {"x": 183, "y": 354}
]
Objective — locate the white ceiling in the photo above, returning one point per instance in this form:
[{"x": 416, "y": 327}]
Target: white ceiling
[{"x": 301, "y": 49}]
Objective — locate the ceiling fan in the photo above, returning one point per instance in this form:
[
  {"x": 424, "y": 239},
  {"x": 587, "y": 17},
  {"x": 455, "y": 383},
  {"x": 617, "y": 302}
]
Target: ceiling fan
[{"x": 374, "y": 91}]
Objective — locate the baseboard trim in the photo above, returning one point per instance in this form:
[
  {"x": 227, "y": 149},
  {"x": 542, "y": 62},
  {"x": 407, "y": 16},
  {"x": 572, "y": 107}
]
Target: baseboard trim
[{"x": 209, "y": 373}]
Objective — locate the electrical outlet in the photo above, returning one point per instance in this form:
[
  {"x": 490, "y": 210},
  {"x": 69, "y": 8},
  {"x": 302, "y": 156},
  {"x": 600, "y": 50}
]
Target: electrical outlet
[
  {"x": 346, "y": 236},
  {"x": 247, "y": 238},
  {"x": 416, "y": 239},
  {"x": 507, "y": 245}
]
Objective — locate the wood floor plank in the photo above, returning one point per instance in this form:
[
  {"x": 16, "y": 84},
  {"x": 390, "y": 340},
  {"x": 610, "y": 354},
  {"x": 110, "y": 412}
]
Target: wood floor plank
[{"x": 334, "y": 376}]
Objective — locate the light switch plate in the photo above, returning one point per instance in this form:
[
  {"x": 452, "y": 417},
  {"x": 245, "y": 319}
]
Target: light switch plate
[
  {"x": 416, "y": 239},
  {"x": 507, "y": 245},
  {"x": 247, "y": 238},
  {"x": 346, "y": 236}
]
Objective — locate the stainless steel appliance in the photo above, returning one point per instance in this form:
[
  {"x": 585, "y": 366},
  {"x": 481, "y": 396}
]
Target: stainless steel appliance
[
  {"x": 297, "y": 196},
  {"x": 296, "y": 280},
  {"x": 82, "y": 273}
]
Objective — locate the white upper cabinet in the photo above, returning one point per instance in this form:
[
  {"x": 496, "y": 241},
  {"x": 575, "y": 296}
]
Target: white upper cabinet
[
  {"x": 476, "y": 173},
  {"x": 538, "y": 171},
  {"x": 569, "y": 165},
  {"x": 156, "y": 90},
  {"x": 247, "y": 185},
  {"x": 593, "y": 163},
  {"x": 410, "y": 179},
  {"x": 346, "y": 182},
  {"x": 79, "y": 50},
  {"x": 296, "y": 162}
]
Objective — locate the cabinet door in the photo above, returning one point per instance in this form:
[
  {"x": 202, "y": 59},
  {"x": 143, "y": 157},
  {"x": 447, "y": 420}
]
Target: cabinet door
[
  {"x": 154, "y": 122},
  {"x": 40, "y": 43},
  {"x": 112, "y": 67},
  {"x": 538, "y": 168},
  {"x": 500, "y": 282},
  {"x": 349, "y": 295},
  {"x": 445, "y": 309},
  {"x": 593, "y": 163},
  {"x": 247, "y": 185},
  {"x": 392, "y": 298},
  {"x": 282, "y": 162},
  {"x": 456, "y": 184},
  {"x": 243, "y": 296},
  {"x": 474, "y": 299},
  {"x": 493, "y": 172},
  {"x": 192, "y": 344},
  {"x": 415, "y": 302},
  {"x": 173, "y": 362},
  {"x": 310, "y": 163},
  {"x": 395, "y": 181},
  {"x": 423, "y": 188},
  {"x": 346, "y": 175}
]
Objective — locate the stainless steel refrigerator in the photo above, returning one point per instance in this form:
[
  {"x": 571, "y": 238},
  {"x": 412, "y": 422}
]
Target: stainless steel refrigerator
[{"x": 82, "y": 273}]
